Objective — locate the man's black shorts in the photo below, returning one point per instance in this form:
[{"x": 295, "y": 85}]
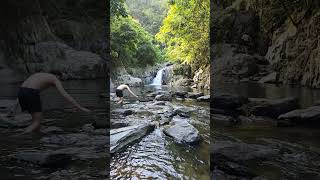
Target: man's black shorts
[
  {"x": 119, "y": 93},
  {"x": 29, "y": 100}
]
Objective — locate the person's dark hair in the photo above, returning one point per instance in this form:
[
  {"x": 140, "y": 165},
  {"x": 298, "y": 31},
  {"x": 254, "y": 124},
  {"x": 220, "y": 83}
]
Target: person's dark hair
[{"x": 56, "y": 73}]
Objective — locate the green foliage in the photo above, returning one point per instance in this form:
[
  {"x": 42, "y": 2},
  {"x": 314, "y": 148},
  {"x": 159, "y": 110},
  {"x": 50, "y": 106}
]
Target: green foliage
[
  {"x": 185, "y": 32},
  {"x": 150, "y": 13},
  {"x": 131, "y": 45},
  {"x": 117, "y": 8}
]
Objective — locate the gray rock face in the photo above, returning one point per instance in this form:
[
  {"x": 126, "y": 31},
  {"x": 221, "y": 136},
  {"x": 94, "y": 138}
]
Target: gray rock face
[
  {"x": 204, "y": 98},
  {"x": 183, "y": 132},
  {"x": 163, "y": 97},
  {"x": 307, "y": 117},
  {"x": 46, "y": 159},
  {"x": 38, "y": 42},
  {"x": 272, "y": 107},
  {"x": 120, "y": 138},
  {"x": 270, "y": 78}
]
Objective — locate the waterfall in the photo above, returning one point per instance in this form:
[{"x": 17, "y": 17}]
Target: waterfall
[{"x": 157, "y": 81}]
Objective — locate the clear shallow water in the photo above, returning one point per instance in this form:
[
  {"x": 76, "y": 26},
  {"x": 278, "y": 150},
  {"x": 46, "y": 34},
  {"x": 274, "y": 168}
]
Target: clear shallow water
[
  {"x": 57, "y": 112},
  {"x": 157, "y": 156},
  {"x": 307, "y": 139}
]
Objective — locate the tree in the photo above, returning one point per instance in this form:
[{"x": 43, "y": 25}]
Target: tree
[{"x": 185, "y": 32}]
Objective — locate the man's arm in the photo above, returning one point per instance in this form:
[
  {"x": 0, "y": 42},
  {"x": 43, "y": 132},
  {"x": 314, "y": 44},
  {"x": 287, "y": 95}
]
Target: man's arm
[
  {"x": 61, "y": 90},
  {"x": 131, "y": 92}
]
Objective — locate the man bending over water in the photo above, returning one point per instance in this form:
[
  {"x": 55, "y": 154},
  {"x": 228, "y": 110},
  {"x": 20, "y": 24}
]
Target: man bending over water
[
  {"x": 29, "y": 96},
  {"x": 119, "y": 92}
]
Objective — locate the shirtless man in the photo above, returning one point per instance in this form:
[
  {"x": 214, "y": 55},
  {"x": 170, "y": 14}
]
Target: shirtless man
[
  {"x": 119, "y": 92},
  {"x": 29, "y": 96}
]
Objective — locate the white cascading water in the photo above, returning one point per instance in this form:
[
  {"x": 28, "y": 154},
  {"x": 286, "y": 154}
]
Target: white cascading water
[{"x": 157, "y": 81}]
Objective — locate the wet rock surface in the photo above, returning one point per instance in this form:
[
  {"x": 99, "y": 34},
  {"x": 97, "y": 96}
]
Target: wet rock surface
[
  {"x": 183, "y": 132},
  {"x": 167, "y": 124},
  {"x": 121, "y": 137}
]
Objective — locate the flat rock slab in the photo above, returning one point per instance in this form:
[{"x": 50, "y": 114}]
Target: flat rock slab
[
  {"x": 309, "y": 116},
  {"x": 241, "y": 152},
  {"x": 272, "y": 107},
  {"x": 204, "y": 98},
  {"x": 43, "y": 158},
  {"x": 183, "y": 132},
  {"x": 120, "y": 138}
]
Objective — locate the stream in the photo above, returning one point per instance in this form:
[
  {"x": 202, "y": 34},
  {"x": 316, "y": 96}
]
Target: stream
[
  {"x": 283, "y": 152},
  {"x": 82, "y": 148},
  {"x": 156, "y": 155}
]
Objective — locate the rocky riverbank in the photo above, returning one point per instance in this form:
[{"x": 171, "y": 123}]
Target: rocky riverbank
[
  {"x": 165, "y": 114},
  {"x": 242, "y": 143},
  {"x": 252, "y": 45}
]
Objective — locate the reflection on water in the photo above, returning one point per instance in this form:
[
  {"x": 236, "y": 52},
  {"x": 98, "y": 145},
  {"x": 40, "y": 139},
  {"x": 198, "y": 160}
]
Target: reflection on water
[
  {"x": 157, "y": 156},
  {"x": 307, "y": 96}
]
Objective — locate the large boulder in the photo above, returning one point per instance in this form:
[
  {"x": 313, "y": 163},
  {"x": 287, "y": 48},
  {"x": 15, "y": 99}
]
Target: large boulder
[
  {"x": 120, "y": 138},
  {"x": 272, "y": 107},
  {"x": 307, "y": 117},
  {"x": 183, "y": 132}
]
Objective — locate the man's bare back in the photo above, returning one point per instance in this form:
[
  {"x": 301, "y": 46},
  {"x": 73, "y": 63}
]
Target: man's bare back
[
  {"x": 29, "y": 96},
  {"x": 40, "y": 81}
]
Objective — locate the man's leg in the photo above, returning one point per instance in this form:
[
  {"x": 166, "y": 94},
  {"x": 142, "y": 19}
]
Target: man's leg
[
  {"x": 120, "y": 100},
  {"x": 36, "y": 119}
]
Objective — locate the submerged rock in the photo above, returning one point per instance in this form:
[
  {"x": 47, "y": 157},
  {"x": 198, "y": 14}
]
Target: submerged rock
[
  {"x": 227, "y": 101},
  {"x": 46, "y": 159},
  {"x": 223, "y": 120},
  {"x": 120, "y": 138},
  {"x": 183, "y": 132},
  {"x": 6, "y": 105},
  {"x": 19, "y": 121},
  {"x": 307, "y": 117}
]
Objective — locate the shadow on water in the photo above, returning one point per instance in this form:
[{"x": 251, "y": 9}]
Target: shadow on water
[
  {"x": 58, "y": 113},
  {"x": 157, "y": 156}
]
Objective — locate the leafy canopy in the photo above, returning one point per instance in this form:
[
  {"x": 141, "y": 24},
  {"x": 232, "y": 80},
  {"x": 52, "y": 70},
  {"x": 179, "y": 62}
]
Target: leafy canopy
[{"x": 185, "y": 32}]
